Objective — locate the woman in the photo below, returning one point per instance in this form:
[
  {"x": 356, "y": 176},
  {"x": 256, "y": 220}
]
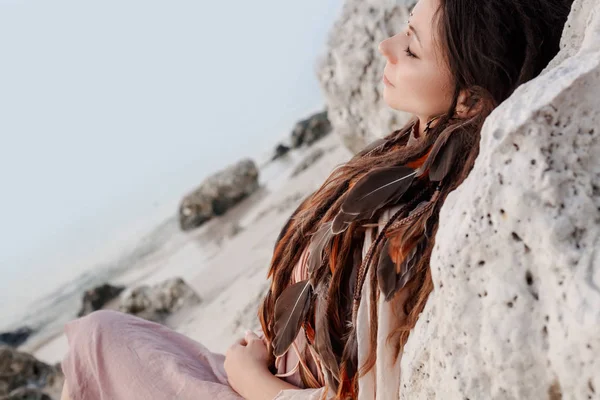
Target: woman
[{"x": 350, "y": 271}]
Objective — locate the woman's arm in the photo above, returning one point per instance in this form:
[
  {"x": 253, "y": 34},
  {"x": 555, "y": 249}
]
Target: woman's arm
[{"x": 65, "y": 392}]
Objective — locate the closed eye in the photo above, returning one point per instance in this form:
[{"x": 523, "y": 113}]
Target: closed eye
[{"x": 409, "y": 53}]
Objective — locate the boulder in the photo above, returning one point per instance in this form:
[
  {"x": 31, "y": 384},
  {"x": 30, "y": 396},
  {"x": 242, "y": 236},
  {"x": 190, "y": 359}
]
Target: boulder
[
  {"x": 218, "y": 193},
  {"x": 22, "y": 376},
  {"x": 311, "y": 129},
  {"x": 350, "y": 72},
  {"x": 94, "y": 299},
  {"x": 280, "y": 151},
  {"x": 154, "y": 303},
  {"x": 17, "y": 337},
  {"x": 515, "y": 311}
]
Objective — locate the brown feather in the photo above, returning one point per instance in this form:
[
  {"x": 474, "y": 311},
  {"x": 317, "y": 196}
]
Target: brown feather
[
  {"x": 305, "y": 372},
  {"x": 403, "y": 237},
  {"x": 405, "y": 266},
  {"x": 334, "y": 253},
  {"x": 323, "y": 342},
  {"x": 364, "y": 267},
  {"x": 407, "y": 226},
  {"x": 376, "y": 187},
  {"x": 443, "y": 162},
  {"x": 386, "y": 271},
  {"x": 408, "y": 267},
  {"x": 348, "y": 368},
  {"x": 396, "y": 266},
  {"x": 317, "y": 244},
  {"x": 442, "y": 157},
  {"x": 341, "y": 222},
  {"x": 291, "y": 309},
  {"x": 372, "y": 192}
]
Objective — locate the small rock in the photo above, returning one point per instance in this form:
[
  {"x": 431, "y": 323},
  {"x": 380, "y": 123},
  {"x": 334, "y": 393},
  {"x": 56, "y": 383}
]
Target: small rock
[
  {"x": 94, "y": 299},
  {"x": 218, "y": 193},
  {"x": 309, "y": 130},
  {"x": 155, "y": 303},
  {"x": 280, "y": 151},
  {"x": 17, "y": 337},
  {"x": 22, "y": 376}
]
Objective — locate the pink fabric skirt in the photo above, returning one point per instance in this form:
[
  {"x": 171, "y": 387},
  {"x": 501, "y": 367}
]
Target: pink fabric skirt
[{"x": 114, "y": 356}]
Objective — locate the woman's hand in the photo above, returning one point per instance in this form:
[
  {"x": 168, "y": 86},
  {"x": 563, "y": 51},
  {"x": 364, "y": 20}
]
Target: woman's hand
[
  {"x": 246, "y": 364},
  {"x": 245, "y": 360}
]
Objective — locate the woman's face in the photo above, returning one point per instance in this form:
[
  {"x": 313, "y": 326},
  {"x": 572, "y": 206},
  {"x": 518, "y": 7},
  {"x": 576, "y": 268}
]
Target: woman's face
[{"x": 416, "y": 77}]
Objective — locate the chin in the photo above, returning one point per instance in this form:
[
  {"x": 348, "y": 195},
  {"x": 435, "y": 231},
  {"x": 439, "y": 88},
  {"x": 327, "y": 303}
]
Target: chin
[{"x": 392, "y": 101}]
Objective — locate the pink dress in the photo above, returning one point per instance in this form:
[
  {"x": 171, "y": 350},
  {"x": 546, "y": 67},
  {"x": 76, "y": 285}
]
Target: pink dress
[{"x": 117, "y": 356}]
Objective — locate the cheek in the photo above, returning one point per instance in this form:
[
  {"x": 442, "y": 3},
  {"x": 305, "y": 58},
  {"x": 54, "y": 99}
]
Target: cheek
[
  {"x": 406, "y": 94},
  {"x": 437, "y": 90},
  {"x": 420, "y": 89}
]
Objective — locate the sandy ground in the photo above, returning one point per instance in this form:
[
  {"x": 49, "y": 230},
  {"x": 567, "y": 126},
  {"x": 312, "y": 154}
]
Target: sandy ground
[{"x": 232, "y": 279}]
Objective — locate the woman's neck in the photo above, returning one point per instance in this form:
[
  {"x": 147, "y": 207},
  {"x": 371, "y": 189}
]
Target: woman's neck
[{"x": 420, "y": 127}]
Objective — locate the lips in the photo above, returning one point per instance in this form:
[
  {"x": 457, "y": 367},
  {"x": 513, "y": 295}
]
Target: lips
[{"x": 386, "y": 81}]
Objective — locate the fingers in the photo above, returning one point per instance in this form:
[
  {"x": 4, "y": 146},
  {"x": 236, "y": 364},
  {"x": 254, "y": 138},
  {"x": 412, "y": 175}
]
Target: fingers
[
  {"x": 251, "y": 336},
  {"x": 248, "y": 338}
]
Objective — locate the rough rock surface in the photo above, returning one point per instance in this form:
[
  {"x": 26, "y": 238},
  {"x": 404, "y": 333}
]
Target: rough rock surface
[
  {"x": 351, "y": 71},
  {"x": 154, "y": 303},
  {"x": 22, "y": 376},
  {"x": 515, "y": 313},
  {"x": 218, "y": 193},
  {"x": 94, "y": 299}
]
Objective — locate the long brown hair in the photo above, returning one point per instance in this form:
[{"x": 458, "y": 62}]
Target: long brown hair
[{"x": 491, "y": 47}]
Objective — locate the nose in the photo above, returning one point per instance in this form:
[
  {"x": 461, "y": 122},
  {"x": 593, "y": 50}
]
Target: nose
[{"x": 386, "y": 49}]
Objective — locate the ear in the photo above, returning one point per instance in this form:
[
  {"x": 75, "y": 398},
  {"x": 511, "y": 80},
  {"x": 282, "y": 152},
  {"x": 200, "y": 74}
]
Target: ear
[{"x": 468, "y": 104}]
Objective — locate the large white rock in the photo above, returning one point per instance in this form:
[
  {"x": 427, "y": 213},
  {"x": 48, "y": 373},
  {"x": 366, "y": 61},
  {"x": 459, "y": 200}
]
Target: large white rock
[
  {"x": 515, "y": 313},
  {"x": 350, "y": 72}
]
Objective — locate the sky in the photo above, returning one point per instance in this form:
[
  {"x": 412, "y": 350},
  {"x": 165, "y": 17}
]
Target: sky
[{"x": 112, "y": 109}]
